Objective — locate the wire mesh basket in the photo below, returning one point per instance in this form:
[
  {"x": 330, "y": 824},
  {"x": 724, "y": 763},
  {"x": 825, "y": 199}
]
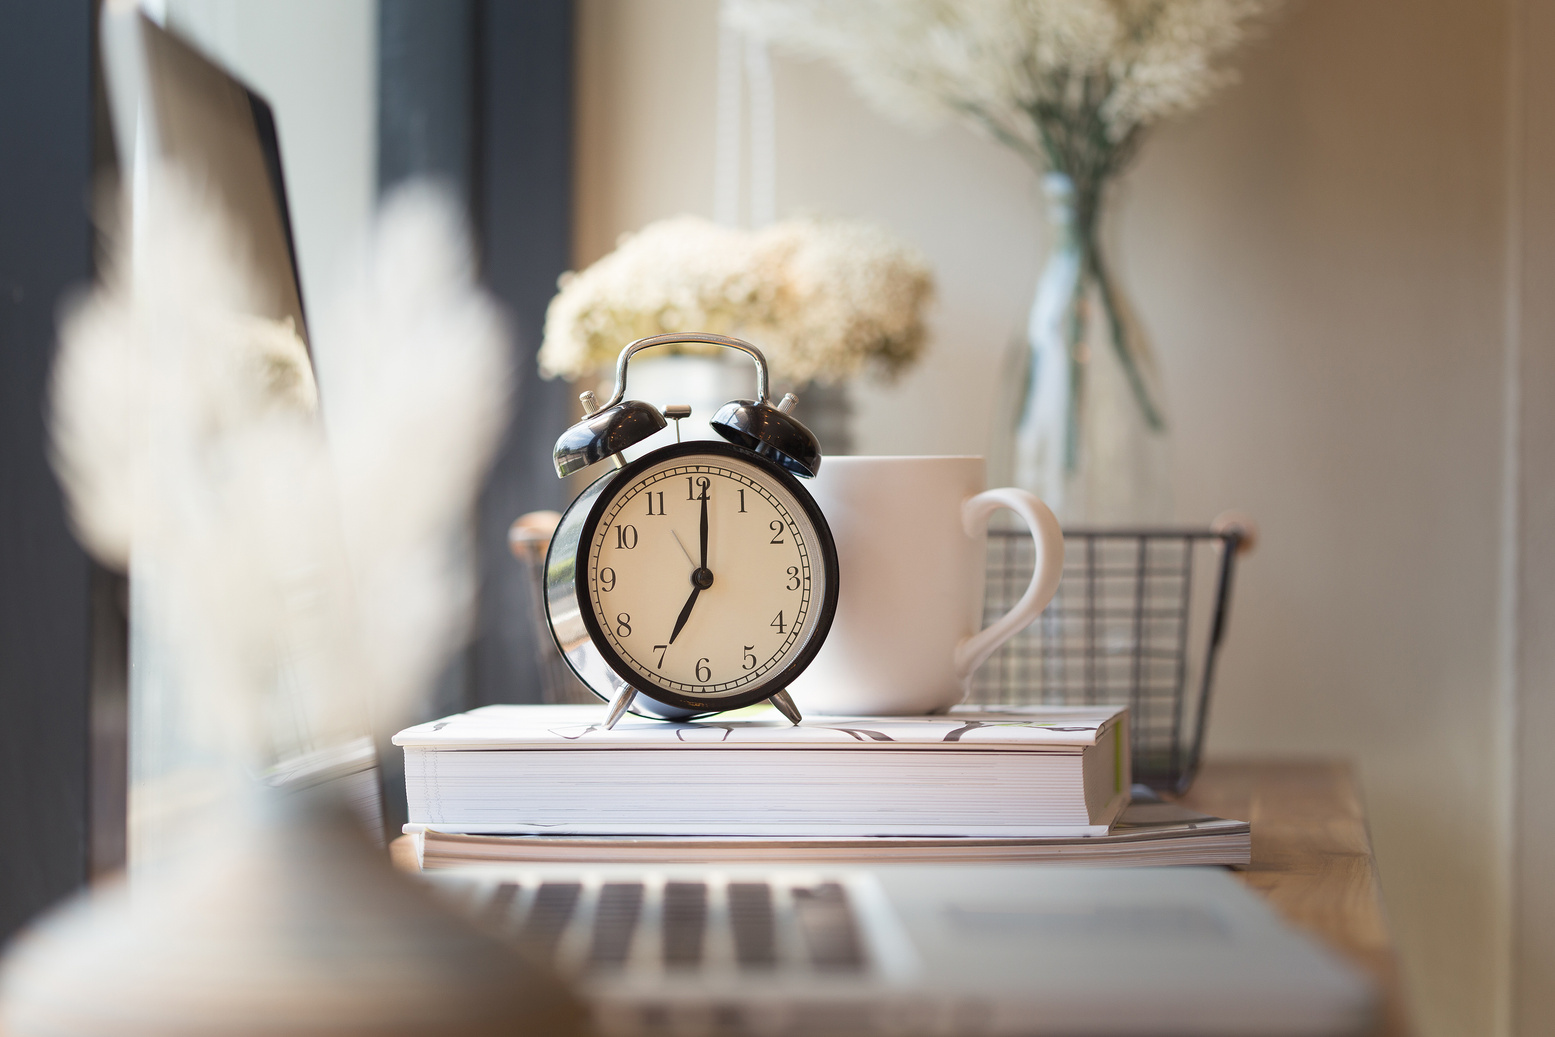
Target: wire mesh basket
[{"x": 1138, "y": 620}]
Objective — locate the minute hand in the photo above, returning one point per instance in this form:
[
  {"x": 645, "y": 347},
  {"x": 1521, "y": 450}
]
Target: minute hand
[{"x": 704, "y": 525}]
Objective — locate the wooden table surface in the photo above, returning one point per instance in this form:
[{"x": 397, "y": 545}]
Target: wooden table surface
[{"x": 1312, "y": 858}]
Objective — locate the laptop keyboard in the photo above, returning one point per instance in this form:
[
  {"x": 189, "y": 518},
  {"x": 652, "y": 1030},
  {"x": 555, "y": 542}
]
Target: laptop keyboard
[{"x": 679, "y": 927}]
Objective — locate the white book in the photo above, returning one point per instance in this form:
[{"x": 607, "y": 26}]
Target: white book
[{"x": 1015, "y": 772}]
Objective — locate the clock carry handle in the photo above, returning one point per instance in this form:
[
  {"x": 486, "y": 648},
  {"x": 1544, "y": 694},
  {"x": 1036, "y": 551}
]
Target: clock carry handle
[
  {"x": 680, "y": 337},
  {"x": 770, "y": 431},
  {"x": 975, "y": 650}
]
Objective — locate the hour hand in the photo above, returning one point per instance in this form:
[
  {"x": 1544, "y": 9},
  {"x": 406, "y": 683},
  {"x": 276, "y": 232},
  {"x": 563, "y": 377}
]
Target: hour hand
[{"x": 685, "y": 614}]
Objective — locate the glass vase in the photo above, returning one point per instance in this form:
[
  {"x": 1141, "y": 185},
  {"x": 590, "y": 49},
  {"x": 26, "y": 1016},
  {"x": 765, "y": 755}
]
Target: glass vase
[{"x": 1089, "y": 433}]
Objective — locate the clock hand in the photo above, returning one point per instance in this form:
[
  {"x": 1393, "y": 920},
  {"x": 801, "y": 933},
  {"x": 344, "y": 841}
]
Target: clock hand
[
  {"x": 683, "y": 549},
  {"x": 685, "y": 613},
  {"x": 704, "y": 524},
  {"x": 701, "y": 577}
]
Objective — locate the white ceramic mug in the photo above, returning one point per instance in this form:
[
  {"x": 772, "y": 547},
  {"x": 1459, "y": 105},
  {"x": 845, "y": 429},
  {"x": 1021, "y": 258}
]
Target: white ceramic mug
[{"x": 912, "y": 540}]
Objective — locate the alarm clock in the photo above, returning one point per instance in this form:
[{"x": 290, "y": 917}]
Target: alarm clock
[{"x": 700, "y": 577}]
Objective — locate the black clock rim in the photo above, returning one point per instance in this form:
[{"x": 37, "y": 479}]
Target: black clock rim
[{"x": 827, "y": 549}]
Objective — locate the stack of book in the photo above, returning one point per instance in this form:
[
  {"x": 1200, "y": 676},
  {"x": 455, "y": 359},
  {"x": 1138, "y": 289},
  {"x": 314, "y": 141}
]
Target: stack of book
[{"x": 1027, "y": 784}]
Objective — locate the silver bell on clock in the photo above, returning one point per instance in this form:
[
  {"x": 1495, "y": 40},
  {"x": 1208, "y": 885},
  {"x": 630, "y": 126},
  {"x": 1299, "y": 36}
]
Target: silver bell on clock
[{"x": 702, "y": 576}]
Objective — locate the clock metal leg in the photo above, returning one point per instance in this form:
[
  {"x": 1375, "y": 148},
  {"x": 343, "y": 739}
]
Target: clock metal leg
[
  {"x": 785, "y": 706},
  {"x": 619, "y": 707}
]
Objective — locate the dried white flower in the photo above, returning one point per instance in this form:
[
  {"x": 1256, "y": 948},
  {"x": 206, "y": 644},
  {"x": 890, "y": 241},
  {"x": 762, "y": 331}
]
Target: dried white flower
[
  {"x": 416, "y": 383},
  {"x": 304, "y": 562},
  {"x": 175, "y": 357},
  {"x": 824, "y": 299},
  {"x": 680, "y": 274},
  {"x": 279, "y": 362},
  {"x": 848, "y": 296},
  {"x": 1067, "y": 83}
]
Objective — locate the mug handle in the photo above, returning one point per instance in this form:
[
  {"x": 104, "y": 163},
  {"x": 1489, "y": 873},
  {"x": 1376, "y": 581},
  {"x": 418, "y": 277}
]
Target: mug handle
[{"x": 973, "y": 651}]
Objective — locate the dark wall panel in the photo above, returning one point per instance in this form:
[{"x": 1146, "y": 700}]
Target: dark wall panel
[
  {"x": 427, "y": 128},
  {"x": 46, "y": 245},
  {"x": 426, "y": 92},
  {"x": 524, "y": 213},
  {"x": 478, "y": 94}
]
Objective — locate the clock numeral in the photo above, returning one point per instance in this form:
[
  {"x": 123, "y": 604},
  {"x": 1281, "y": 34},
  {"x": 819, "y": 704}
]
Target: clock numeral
[
  {"x": 607, "y": 579},
  {"x": 778, "y": 622},
  {"x": 626, "y": 537},
  {"x": 793, "y": 577},
  {"x": 691, "y": 487},
  {"x": 742, "y": 500},
  {"x": 623, "y": 625},
  {"x": 660, "y": 649},
  {"x": 651, "y": 495},
  {"x": 749, "y": 662},
  {"x": 703, "y": 673},
  {"x": 776, "y": 526}
]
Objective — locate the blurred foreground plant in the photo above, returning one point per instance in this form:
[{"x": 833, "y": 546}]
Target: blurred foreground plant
[
  {"x": 299, "y": 553},
  {"x": 303, "y": 559}
]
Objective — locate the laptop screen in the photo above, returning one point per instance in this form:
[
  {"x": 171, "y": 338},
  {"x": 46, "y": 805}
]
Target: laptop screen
[{"x": 173, "y": 102}]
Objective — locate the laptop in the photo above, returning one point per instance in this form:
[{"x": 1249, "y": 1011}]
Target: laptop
[
  {"x": 175, "y": 112},
  {"x": 918, "y": 949}
]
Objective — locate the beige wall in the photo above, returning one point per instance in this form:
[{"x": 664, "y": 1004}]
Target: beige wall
[
  {"x": 1321, "y": 256},
  {"x": 1334, "y": 335},
  {"x": 1531, "y": 531}
]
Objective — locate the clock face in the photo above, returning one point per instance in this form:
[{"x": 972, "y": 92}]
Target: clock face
[{"x": 707, "y": 576}]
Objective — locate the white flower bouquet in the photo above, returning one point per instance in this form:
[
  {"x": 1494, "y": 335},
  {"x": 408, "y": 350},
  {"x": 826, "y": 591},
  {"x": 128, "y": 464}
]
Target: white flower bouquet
[{"x": 824, "y": 299}]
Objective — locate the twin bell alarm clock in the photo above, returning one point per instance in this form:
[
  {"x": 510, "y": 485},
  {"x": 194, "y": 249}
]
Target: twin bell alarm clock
[{"x": 700, "y": 577}]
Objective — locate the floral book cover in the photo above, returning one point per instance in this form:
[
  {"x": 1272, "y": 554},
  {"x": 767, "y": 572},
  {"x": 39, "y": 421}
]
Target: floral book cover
[{"x": 1031, "y": 728}]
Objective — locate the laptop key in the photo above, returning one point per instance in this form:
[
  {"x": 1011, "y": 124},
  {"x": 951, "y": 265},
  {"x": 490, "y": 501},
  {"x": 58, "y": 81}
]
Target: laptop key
[
  {"x": 751, "y": 919},
  {"x": 615, "y": 921},
  {"x": 549, "y": 914},
  {"x": 830, "y": 932},
  {"x": 684, "y": 923},
  {"x": 498, "y": 910}
]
